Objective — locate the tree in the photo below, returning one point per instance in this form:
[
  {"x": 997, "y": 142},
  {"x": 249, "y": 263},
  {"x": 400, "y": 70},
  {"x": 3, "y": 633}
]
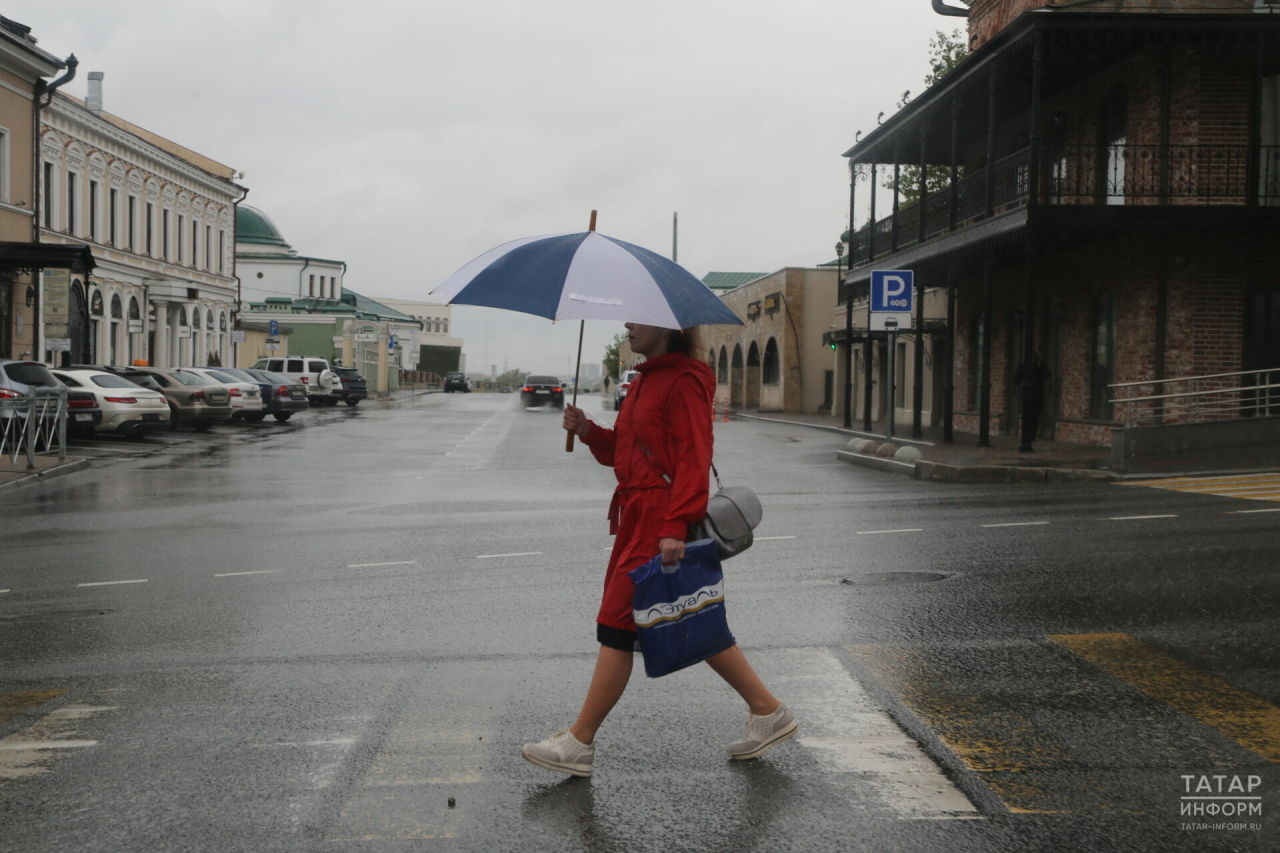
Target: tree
[
  {"x": 611, "y": 357},
  {"x": 947, "y": 51}
]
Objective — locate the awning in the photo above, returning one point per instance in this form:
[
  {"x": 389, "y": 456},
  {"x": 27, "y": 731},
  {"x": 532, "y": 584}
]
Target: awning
[{"x": 29, "y": 257}]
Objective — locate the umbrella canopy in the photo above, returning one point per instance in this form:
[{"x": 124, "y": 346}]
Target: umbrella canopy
[{"x": 586, "y": 276}]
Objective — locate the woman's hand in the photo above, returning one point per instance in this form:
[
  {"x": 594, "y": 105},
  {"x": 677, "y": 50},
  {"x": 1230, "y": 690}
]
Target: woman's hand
[
  {"x": 575, "y": 421},
  {"x": 672, "y": 551}
]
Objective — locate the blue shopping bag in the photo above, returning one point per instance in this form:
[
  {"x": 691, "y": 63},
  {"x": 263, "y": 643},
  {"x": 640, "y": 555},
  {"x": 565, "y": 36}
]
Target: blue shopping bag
[{"x": 679, "y": 610}]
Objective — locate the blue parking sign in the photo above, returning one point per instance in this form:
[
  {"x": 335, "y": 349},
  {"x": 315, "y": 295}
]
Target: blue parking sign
[
  {"x": 893, "y": 291},
  {"x": 273, "y": 327}
]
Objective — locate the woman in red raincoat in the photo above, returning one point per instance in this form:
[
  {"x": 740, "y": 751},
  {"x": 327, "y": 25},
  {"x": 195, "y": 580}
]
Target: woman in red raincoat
[{"x": 660, "y": 451}]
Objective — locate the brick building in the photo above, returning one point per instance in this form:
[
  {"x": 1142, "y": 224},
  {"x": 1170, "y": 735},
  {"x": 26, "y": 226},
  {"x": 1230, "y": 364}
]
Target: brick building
[{"x": 1101, "y": 186}]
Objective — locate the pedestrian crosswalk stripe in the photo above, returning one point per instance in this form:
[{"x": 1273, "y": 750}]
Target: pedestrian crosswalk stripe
[
  {"x": 1265, "y": 487},
  {"x": 28, "y": 752},
  {"x": 1249, "y": 720},
  {"x": 848, "y": 732},
  {"x": 13, "y": 704}
]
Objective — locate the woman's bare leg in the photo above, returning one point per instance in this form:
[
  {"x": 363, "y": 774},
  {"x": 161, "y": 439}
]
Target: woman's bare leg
[
  {"x": 613, "y": 671},
  {"x": 732, "y": 666}
]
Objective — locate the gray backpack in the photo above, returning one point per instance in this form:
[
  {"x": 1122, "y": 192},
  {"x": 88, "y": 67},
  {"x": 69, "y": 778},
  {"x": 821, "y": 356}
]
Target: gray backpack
[{"x": 733, "y": 513}]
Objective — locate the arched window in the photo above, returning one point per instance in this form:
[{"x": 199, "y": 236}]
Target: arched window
[
  {"x": 208, "y": 320},
  {"x": 722, "y": 375},
  {"x": 222, "y": 321},
  {"x": 753, "y": 355},
  {"x": 711, "y": 358},
  {"x": 771, "y": 373},
  {"x": 134, "y": 313},
  {"x": 737, "y": 357},
  {"x": 1103, "y": 371},
  {"x": 117, "y": 307}
]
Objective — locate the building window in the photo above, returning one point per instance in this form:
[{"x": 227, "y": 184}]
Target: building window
[
  {"x": 446, "y": 327},
  {"x": 195, "y": 242},
  {"x": 181, "y": 225},
  {"x": 151, "y": 215},
  {"x": 771, "y": 370},
  {"x": 164, "y": 234},
  {"x": 71, "y": 202},
  {"x": 221, "y": 249},
  {"x": 133, "y": 223},
  {"x": 208, "y": 246},
  {"x": 1104, "y": 357},
  {"x": 48, "y": 195},
  {"x": 722, "y": 373},
  {"x": 93, "y": 210},
  {"x": 113, "y": 202},
  {"x": 311, "y": 286}
]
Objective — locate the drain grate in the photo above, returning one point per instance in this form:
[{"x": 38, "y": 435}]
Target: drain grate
[{"x": 884, "y": 578}]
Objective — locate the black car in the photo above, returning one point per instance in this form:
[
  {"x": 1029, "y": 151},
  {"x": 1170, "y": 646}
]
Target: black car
[
  {"x": 354, "y": 387},
  {"x": 542, "y": 391},
  {"x": 281, "y": 397},
  {"x": 456, "y": 382}
]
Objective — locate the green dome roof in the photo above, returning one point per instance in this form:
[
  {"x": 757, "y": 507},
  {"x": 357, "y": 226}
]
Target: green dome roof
[{"x": 254, "y": 226}]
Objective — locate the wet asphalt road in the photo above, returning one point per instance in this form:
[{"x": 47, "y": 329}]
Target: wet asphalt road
[{"x": 311, "y": 636}]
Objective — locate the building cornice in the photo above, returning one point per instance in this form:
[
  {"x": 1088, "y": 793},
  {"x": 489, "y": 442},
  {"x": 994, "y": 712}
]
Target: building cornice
[{"x": 79, "y": 118}]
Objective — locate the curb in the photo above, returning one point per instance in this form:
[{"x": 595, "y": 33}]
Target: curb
[
  {"x": 938, "y": 472},
  {"x": 69, "y": 467},
  {"x": 841, "y": 430}
]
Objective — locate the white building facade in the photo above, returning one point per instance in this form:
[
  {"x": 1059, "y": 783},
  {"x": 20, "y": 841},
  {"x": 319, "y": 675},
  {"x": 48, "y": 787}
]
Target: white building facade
[
  {"x": 436, "y": 319},
  {"x": 159, "y": 219}
]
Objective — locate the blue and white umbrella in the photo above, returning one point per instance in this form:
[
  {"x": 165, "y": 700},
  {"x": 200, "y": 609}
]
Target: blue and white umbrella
[{"x": 586, "y": 276}]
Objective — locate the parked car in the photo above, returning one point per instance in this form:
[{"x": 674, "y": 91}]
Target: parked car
[
  {"x": 624, "y": 385},
  {"x": 314, "y": 373},
  {"x": 352, "y": 387},
  {"x": 282, "y": 397},
  {"x": 83, "y": 413},
  {"x": 193, "y": 399},
  {"x": 17, "y": 380},
  {"x": 456, "y": 381},
  {"x": 542, "y": 391},
  {"x": 126, "y": 408},
  {"x": 246, "y": 396},
  {"x": 133, "y": 374},
  {"x": 505, "y": 389}
]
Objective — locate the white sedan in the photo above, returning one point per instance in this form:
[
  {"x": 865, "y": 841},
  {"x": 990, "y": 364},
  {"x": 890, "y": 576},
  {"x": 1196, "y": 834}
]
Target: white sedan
[
  {"x": 246, "y": 397},
  {"x": 127, "y": 409}
]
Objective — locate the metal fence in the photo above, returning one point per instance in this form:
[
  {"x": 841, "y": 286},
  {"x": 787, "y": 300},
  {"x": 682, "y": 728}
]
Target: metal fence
[
  {"x": 1198, "y": 399},
  {"x": 33, "y": 425}
]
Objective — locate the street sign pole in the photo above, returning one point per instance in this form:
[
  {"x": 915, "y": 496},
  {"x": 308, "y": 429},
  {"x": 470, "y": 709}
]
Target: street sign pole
[
  {"x": 891, "y": 304},
  {"x": 891, "y": 408}
]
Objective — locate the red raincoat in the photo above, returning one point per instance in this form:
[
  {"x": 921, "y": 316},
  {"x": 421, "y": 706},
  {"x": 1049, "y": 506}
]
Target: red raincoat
[{"x": 660, "y": 451}]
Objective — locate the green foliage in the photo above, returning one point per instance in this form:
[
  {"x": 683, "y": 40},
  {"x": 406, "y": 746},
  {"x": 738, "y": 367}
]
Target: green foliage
[
  {"x": 611, "y": 357},
  {"x": 946, "y": 50},
  {"x": 513, "y": 377}
]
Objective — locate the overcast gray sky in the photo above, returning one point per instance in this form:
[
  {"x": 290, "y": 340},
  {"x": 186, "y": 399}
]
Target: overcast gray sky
[{"x": 407, "y": 138}]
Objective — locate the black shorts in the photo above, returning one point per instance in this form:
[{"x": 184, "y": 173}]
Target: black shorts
[{"x": 617, "y": 638}]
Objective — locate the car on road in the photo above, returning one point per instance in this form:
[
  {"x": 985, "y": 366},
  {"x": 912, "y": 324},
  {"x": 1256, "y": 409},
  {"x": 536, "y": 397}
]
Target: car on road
[
  {"x": 246, "y": 396},
  {"x": 18, "y": 382},
  {"x": 457, "y": 381},
  {"x": 352, "y": 386},
  {"x": 542, "y": 391},
  {"x": 126, "y": 408},
  {"x": 282, "y": 397},
  {"x": 133, "y": 374},
  {"x": 193, "y": 398},
  {"x": 624, "y": 385},
  {"x": 315, "y": 373}
]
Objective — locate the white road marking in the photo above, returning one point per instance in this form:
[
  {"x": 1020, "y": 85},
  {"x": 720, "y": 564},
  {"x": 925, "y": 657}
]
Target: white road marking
[
  {"x": 905, "y": 530},
  {"x": 3, "y": 591},
  {"x": 1138, "y": 517},
  {"x": 520, "y": 554},
  {"x": 1230, "y": 512},
  {"x": 1017, "y": 524},
  {"x": 764, "y": 538},
  {"x": 337, "y": 741},
  {"x": 16, "y": 745},
  {"x": 111, "y": 583},
  {"x": 849, "y": 734},
  {"x": 239, "y": 574},
  {"x": 371, "y": 565}
]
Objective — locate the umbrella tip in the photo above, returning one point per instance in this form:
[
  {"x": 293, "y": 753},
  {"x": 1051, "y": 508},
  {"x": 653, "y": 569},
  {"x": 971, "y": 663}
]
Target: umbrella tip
[{"x": 592, "y": 226}]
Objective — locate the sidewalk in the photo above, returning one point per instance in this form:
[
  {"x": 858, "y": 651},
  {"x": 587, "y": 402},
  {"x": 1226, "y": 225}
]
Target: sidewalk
[
  {"x": 16, "y": 474},
  {"x": 961, "y": 461}
]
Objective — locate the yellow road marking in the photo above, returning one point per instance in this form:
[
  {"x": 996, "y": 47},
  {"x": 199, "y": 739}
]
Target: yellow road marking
[
  {"x": 13, "y": 704},
  {"x": 1249, "y": 720}
]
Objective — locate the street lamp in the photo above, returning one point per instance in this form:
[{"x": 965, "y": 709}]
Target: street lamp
[{"x": 848, "y": 336}]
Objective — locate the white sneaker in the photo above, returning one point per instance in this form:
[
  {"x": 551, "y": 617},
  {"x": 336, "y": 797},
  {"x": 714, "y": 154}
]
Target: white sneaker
[
  {"x": 763, "y": 733},
  {"x": 561, "y": 752}
]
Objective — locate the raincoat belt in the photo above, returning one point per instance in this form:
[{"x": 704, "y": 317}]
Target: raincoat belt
[{"x": 621, "y": 495}]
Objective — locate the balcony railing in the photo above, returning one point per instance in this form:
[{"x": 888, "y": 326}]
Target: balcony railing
[{"x": 1120, "y": 174}]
